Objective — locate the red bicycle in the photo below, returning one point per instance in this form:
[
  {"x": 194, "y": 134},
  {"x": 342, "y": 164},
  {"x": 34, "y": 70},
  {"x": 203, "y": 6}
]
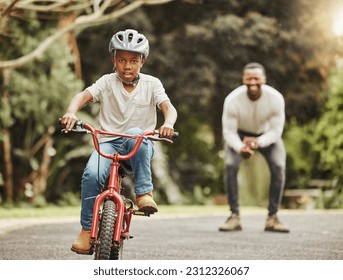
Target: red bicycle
[{"x": 112, "y": 212}]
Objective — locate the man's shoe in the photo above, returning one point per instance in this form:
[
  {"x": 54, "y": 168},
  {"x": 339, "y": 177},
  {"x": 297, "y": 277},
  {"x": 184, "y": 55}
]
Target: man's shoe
[
  {"x": 233, "y": 223},
  {"x": 273, "y": 224},
  {"x": 146, "y": 203},
  {"x": 82, "y": 243}
]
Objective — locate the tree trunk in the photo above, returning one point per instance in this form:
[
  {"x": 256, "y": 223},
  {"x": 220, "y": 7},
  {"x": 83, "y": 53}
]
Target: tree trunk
[
  {"x": 7, "y": 144},
  {"x": 72, "y": 43},
  {"x": 40, "y": 181},
  {"x": 8, "y": 176}
]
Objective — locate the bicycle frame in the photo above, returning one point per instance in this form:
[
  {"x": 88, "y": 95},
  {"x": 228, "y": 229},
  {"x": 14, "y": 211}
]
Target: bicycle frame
[{"x": 114, "y": 186}]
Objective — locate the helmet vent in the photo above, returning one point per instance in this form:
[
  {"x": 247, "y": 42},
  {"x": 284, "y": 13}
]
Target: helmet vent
[{"x": 130, "y": 37}]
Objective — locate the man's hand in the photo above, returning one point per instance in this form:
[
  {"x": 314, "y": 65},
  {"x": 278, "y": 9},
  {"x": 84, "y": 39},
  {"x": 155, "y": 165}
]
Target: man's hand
[
  {"x": 246, "y": 152},
  {"x": 250, "y": 142}
]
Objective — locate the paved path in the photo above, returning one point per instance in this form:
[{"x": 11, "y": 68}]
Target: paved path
[{"x": 315, "y": 235}]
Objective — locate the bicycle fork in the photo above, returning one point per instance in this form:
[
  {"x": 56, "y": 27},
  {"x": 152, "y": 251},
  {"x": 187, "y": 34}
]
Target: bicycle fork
[{"x": 124, "y": 215}]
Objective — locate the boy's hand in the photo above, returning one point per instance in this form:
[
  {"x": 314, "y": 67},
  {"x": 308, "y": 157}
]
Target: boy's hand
[
  {"x": 69, "y": 120},
  {"x": 166, "y": 131}
]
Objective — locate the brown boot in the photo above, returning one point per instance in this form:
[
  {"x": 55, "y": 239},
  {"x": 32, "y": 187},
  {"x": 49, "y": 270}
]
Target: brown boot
[
  {"x": 233, "y": 223},
  {"x": 82, "y": 243},
  {"x": 273, "y": 224},
  {"x": 146, "y": 203}
]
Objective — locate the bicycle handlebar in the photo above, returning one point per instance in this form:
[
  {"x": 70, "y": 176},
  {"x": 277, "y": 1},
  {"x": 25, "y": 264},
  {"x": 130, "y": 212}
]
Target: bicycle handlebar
[{"x": 83, "y": 127}]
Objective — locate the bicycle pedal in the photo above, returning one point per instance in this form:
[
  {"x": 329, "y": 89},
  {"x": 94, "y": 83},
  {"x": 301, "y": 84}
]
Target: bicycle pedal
[
  {"x": 140, "y": 213},
  {"x": 126, "y": 236}
]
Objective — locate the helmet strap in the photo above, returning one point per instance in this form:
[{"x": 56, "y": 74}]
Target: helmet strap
[{"x": 134, "y": 82}]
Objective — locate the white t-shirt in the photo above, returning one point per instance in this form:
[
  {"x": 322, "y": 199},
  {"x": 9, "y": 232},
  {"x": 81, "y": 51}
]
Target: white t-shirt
[
  {"x": 265, "y": 116},
  {"x": 121, "y": 110}
]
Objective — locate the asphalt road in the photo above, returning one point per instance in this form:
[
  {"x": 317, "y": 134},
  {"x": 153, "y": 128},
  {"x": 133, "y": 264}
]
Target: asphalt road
[{"x": 315, "y": 235}]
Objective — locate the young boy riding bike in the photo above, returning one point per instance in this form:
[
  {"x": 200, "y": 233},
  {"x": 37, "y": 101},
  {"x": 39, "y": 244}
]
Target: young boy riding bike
[{"x": 128, "y": 101}]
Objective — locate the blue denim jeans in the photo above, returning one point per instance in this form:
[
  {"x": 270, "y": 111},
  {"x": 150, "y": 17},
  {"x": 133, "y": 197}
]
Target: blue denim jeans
[
  {"x": 98, "y": 168},
  {"x": 275, "y": 156}
]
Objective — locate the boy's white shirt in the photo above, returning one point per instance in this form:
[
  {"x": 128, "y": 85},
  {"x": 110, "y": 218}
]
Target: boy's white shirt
[
  {"x": 121, "y": 110},
  {"x": 264, "y": 116}
]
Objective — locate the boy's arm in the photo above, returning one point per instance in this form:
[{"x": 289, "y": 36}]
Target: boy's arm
[
  {"x": 170, "y": 116},
  {"x": 77, "y": 102}
]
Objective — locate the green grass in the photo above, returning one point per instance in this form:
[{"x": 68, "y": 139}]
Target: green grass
[
  {"x": 33, "y": 212},
  {"x": 74, "y": 211}
]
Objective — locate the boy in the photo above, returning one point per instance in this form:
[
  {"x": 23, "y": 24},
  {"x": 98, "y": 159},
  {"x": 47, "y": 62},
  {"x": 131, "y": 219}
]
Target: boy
[{"x": 128, "y": 101}]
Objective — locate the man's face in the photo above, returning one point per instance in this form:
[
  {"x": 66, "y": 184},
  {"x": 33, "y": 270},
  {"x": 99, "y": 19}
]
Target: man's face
[
  {"x": 254, "y": 78},
  {"x": 127, "y": 64}
]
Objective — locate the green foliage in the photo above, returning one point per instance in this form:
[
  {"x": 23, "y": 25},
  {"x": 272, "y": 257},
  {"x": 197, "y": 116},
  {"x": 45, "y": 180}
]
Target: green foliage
[
  {"x": 301, "y": 156},
  {"x": 30, "y": 211},
  {"x": 69, "y": 199},
  {"x": 39, "y": 93},
  {"x": 5, "y": 115},
  {"x": 328, "y": 137},
  {"x": 194, "y": 158},
  {"x": 40, "y": 201},
  {"x": 18, "y": 41},
  {"x": 315, "y": 150}
]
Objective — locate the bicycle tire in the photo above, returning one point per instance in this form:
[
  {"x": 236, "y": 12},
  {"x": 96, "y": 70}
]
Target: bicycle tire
[
  {"x": 117, "y": 248},
  {"x": 105, "y": 235}
]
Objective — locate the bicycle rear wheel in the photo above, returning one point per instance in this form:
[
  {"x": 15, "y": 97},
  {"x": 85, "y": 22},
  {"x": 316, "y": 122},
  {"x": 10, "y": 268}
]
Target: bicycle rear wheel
[{"x": 105, "y": 247}]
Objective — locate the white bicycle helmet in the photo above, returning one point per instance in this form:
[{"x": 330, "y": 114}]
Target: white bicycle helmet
[{"x": 129, "y": 40}]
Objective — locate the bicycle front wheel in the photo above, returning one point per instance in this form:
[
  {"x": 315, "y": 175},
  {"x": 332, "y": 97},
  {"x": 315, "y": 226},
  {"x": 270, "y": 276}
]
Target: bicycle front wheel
[{"x": 105, "y": 246}]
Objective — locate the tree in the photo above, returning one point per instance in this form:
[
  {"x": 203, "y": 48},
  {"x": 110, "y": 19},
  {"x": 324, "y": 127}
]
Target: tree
[{"x": 33, "y": 96}]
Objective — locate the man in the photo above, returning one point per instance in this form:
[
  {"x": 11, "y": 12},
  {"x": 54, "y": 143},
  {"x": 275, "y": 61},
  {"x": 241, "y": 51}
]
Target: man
[{"x": 253, "y": 120}]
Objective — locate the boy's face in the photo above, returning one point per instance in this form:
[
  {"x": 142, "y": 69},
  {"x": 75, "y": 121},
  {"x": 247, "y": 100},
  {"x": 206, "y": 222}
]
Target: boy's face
[{"x": 127, "y": 64}]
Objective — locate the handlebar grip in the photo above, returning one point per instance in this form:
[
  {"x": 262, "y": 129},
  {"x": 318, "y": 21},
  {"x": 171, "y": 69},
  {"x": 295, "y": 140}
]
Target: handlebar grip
[
  {"x": 78, "y": 126},
  {"x": 175, "y": 134}
]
